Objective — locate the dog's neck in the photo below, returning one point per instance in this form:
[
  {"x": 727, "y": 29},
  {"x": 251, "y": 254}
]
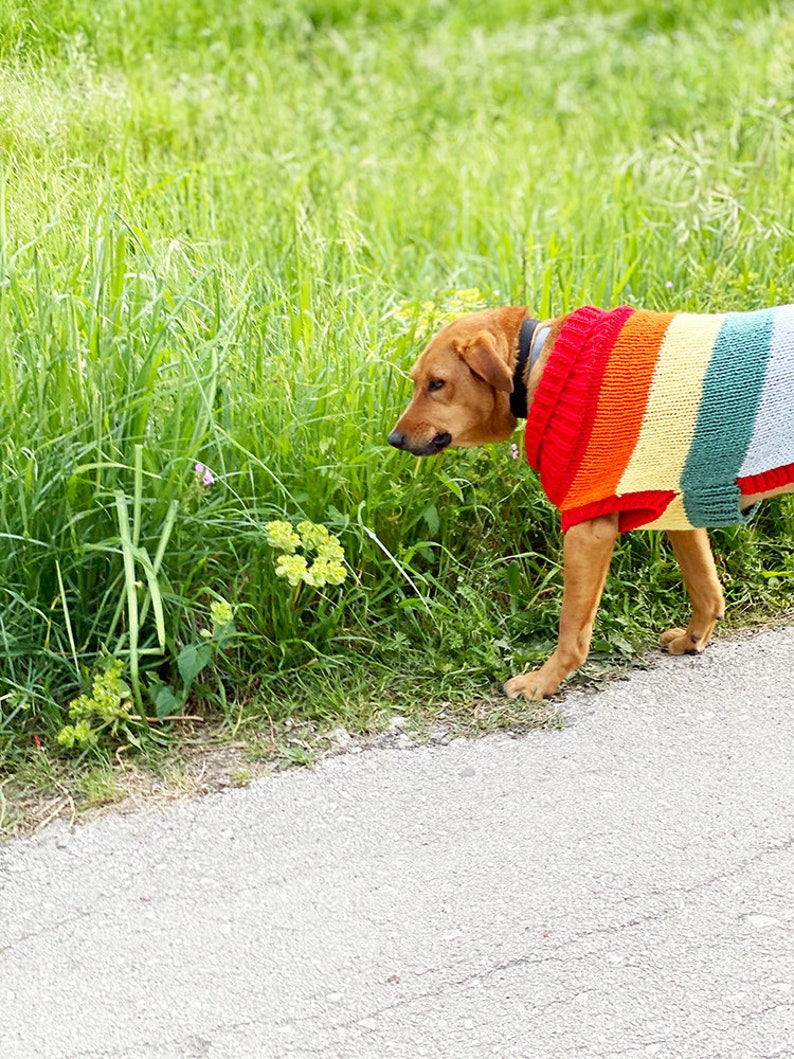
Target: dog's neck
[{"x": 530, "y": 344}]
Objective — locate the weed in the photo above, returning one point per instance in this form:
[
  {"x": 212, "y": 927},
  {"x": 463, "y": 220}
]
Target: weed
[
  {"x": 99, "y": 785},
  {"x": 107, "y": 708}
]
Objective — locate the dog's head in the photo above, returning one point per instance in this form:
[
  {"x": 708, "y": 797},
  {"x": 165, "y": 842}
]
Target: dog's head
[{"x": 462, "y": 385}]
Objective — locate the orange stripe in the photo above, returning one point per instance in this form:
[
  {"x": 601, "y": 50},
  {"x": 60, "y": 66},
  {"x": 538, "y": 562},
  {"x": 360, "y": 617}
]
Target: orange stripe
[{"x": 621, "y": 407}]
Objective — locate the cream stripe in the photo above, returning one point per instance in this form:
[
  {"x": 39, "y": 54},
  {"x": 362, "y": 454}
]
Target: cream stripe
[
  {"x": 671, "y": 413},
  {"x": 672, "y": 518}
]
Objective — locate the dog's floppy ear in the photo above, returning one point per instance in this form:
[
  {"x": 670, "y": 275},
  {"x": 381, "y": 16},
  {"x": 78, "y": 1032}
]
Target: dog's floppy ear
[{"x": 482, "y": 357}]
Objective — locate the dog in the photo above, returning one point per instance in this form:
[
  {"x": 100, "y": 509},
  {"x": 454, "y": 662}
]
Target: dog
[{"x": 673, "y": 421}]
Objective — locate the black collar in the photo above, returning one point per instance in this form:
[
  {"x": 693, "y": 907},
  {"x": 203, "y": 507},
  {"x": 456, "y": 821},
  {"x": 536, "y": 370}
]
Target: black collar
[{"x": 518, "y": 398}]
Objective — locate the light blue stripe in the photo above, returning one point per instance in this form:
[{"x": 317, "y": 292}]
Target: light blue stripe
[
  {"x": 537, "y": 345},
  {"x": 772, "y": 443}
]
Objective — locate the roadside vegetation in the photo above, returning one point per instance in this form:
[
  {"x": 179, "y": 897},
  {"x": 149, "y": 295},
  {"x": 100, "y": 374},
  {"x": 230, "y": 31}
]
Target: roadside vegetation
[{"x": 225, "y": 232}]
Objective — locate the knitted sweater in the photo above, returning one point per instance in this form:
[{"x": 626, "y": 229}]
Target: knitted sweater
[{"x": 667, "y": 418}]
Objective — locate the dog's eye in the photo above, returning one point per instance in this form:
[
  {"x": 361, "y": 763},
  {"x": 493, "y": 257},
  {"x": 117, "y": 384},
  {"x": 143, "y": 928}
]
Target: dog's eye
[{"x": 434, "y": 384}]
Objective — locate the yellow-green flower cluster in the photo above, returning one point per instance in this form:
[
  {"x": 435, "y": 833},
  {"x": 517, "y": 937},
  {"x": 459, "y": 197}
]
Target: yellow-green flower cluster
[
  {"x": 327, "y": 567},
  {"x": 292, "y": 567},
  {"x": 282, "y": 536},
  {"x": 325, "y": 571},
  {"x": 430, "y": 315},
  {"x": 81, "y": 735},
  {"x": 221, "y": 614}
]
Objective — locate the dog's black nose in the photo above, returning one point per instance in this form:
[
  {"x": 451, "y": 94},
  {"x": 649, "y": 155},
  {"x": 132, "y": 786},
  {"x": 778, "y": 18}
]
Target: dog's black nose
[{"x": 397, "y": 440}]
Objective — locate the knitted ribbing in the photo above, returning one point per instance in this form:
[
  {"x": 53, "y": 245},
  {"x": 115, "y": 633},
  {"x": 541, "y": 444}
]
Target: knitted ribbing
[
  {"x": 564, "y": 406},
  {"x": 666, "y": 418}
]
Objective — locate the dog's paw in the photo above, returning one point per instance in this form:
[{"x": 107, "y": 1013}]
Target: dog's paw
[
  {"x": 683, "y": 642},
  {"x": 530, "y": 685}
]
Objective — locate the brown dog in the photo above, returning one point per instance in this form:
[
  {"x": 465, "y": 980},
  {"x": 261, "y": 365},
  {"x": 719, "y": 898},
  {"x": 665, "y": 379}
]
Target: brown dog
[{"x": 483, "y": 371}]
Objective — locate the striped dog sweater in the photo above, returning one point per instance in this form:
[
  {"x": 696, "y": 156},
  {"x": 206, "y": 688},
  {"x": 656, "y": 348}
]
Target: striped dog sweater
[{"x": 666, "y": 418}]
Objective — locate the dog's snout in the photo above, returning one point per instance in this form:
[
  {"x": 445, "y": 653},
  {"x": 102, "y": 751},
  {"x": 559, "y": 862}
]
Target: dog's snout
[{"x": 419, "y": 448}]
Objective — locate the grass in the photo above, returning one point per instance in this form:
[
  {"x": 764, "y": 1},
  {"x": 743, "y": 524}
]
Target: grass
[{"x": 223, "y": 233}]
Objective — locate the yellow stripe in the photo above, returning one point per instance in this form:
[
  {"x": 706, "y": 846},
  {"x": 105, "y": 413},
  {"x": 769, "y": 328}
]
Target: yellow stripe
[
  {"x": 672, "y": 518},
  {"x": 668, "y": 426}
]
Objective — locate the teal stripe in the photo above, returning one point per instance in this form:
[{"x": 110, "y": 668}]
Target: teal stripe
[{"x": 731, "y": 391}]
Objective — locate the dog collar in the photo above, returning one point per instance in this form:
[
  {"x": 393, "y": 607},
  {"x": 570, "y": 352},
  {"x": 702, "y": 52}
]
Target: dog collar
[{"x": 526, "y": 349}]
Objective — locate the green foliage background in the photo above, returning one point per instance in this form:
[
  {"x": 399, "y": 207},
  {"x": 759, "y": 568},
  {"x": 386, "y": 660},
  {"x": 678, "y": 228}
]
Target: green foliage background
[{"x": 220, "y": 228}]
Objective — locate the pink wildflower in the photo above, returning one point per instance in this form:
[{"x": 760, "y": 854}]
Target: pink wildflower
[
  {"x": 514, "y": 451},
  {"x": 205, "y": 474}
]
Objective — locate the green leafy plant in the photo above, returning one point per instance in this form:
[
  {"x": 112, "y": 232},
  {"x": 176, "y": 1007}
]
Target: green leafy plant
[
  {"x": 106, "y": 711},
  {"x": 193, "y": 659}
]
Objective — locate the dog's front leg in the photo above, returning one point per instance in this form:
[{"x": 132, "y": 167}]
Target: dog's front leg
[
  {"x": 696, "y": 559},
  {"x": 587, "y": 552}
]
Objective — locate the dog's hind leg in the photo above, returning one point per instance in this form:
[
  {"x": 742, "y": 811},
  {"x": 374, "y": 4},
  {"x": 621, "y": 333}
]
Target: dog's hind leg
[
  {"x": 587, "y": 552},
  {"x": 696, "y": 559}
]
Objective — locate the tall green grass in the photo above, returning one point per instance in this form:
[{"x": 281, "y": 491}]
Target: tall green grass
[{"x": 219, "y": 230}]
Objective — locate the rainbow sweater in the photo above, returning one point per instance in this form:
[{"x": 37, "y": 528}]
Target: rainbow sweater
[{"x": 667, "y": 418}]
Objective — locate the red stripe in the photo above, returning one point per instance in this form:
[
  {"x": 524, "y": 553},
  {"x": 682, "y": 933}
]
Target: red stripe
[
  {"x": 766, "y": 480},
  {"x": 636, "y": 509}
]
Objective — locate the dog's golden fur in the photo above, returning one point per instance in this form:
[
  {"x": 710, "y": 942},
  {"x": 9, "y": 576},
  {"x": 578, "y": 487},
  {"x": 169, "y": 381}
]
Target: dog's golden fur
[{"x": 462, "y": 385}]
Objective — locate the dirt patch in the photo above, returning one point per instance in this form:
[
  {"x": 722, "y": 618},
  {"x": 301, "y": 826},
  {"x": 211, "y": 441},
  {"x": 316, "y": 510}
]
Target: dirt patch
[{"x": 124, "y": 787}]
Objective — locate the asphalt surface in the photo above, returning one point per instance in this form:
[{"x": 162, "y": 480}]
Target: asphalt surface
[{"x": 623, "y": 887}]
